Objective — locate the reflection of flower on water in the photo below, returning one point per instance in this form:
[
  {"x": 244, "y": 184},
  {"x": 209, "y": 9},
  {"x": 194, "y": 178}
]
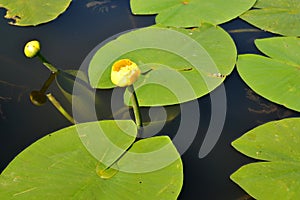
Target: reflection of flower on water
[{"x": 101, "y": 6}]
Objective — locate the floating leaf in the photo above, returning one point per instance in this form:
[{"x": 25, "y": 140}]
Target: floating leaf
[
  {"x": 59, "y": 166},
  {"x": 33, "y": 12},
  {"x": 276, "y": 78},
  {"x": 279, "y": 143},
  {"x": 191, "y": 13},
  {"x": 178, "y": 65},
  {"x": 276, "y": 16}
]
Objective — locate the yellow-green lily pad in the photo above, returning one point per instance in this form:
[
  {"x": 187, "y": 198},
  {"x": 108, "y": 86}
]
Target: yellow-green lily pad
[
  {"x": 279, "y": 143},
  {"x": 178, "y": 65},
  {"x": 191, "y": 13},
  {"x": 276, "y": 77},
  {"x": 277, "y": 16},
  {"x": 33, "y": 12},
  {"x": 60, "y": 166}
]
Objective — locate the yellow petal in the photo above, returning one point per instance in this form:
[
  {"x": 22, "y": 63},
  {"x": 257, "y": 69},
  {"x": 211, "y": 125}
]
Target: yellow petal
[
  {"x": 124, "y": 72},
  {"x": 32, "y": 48}
]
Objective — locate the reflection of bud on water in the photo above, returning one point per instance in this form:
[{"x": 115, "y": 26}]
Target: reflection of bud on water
[
  {"x": 32, "y": 48},
  {"x": 124, "y": 72}
]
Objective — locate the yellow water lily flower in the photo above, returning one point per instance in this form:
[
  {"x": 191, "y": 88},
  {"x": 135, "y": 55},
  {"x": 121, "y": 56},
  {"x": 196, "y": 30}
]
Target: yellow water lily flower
[
  {"x": 32, "y": 48},
  {"x": 124, "y": 72}
]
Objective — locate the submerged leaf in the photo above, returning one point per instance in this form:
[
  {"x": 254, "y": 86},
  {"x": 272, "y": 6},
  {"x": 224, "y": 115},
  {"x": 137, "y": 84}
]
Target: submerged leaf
[
  {"x": 177, "y": 65},
  {"x": 191, "y": 13},
  {"x": 59, "y": 166},
  {"x": 276, "y": 16},
  {"x": 276, "y": 77},
  {"x": 83, "y": 100},
  {"x": 279, "y": 143},
  {"x": 33, "y": 12}
]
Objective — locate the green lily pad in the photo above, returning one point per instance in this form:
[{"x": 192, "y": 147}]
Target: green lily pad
[
  {"x": 33, "y": 12},
  {"x": 276, "y": 16},
  {"x": 276, "y": 77},
  {"x": 279, "y": 143},
  {"x": 191, "y": 13},
  {"x": 178, "y": 65},
  {"x": 59, "y": 166}
]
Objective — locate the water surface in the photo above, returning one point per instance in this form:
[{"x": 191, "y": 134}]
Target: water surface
[{"x": 67, "y": 41}]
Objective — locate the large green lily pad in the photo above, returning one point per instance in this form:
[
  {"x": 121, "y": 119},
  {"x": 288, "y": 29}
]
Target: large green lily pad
[
  {"x": 59, "y": 166},
  {"x": 178, "y": 65},
  {"x": 276, "y": 16},
  {"x": 33, "y": 12},
  {"x": 279, "y": 143},
  {"x": 276, "y": 77},
  {"x": 191, "y": 13}
]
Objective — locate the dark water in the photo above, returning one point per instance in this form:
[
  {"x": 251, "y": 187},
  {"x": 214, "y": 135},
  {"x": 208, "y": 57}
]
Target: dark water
[{"x": 67, "y": 41}]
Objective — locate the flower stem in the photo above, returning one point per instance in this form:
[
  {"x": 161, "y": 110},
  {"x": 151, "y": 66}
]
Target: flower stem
[
  {"x": 48, "y": 82},
  {"x": 47, "y": 64},
  {"x": 58, "y": 106},
  {"x": 136, "y": 111}
]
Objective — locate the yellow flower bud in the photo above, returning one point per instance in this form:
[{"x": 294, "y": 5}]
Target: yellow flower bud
[
  {"x": 32, "y": 48},
  {"x": 124, "y": 72}
]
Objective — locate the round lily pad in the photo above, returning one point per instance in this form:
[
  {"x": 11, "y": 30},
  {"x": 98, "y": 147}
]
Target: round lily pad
[
  {"x": 276, "y": 16},
  {"x": 279, "y": 143},
  {"x": 177, "y": 65},
  {"x": 33, "y": 12},
  {"x": 276, "y": 77},
  {"x": 59, "y": 166},
  {"x": 191, "y": 13}
]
